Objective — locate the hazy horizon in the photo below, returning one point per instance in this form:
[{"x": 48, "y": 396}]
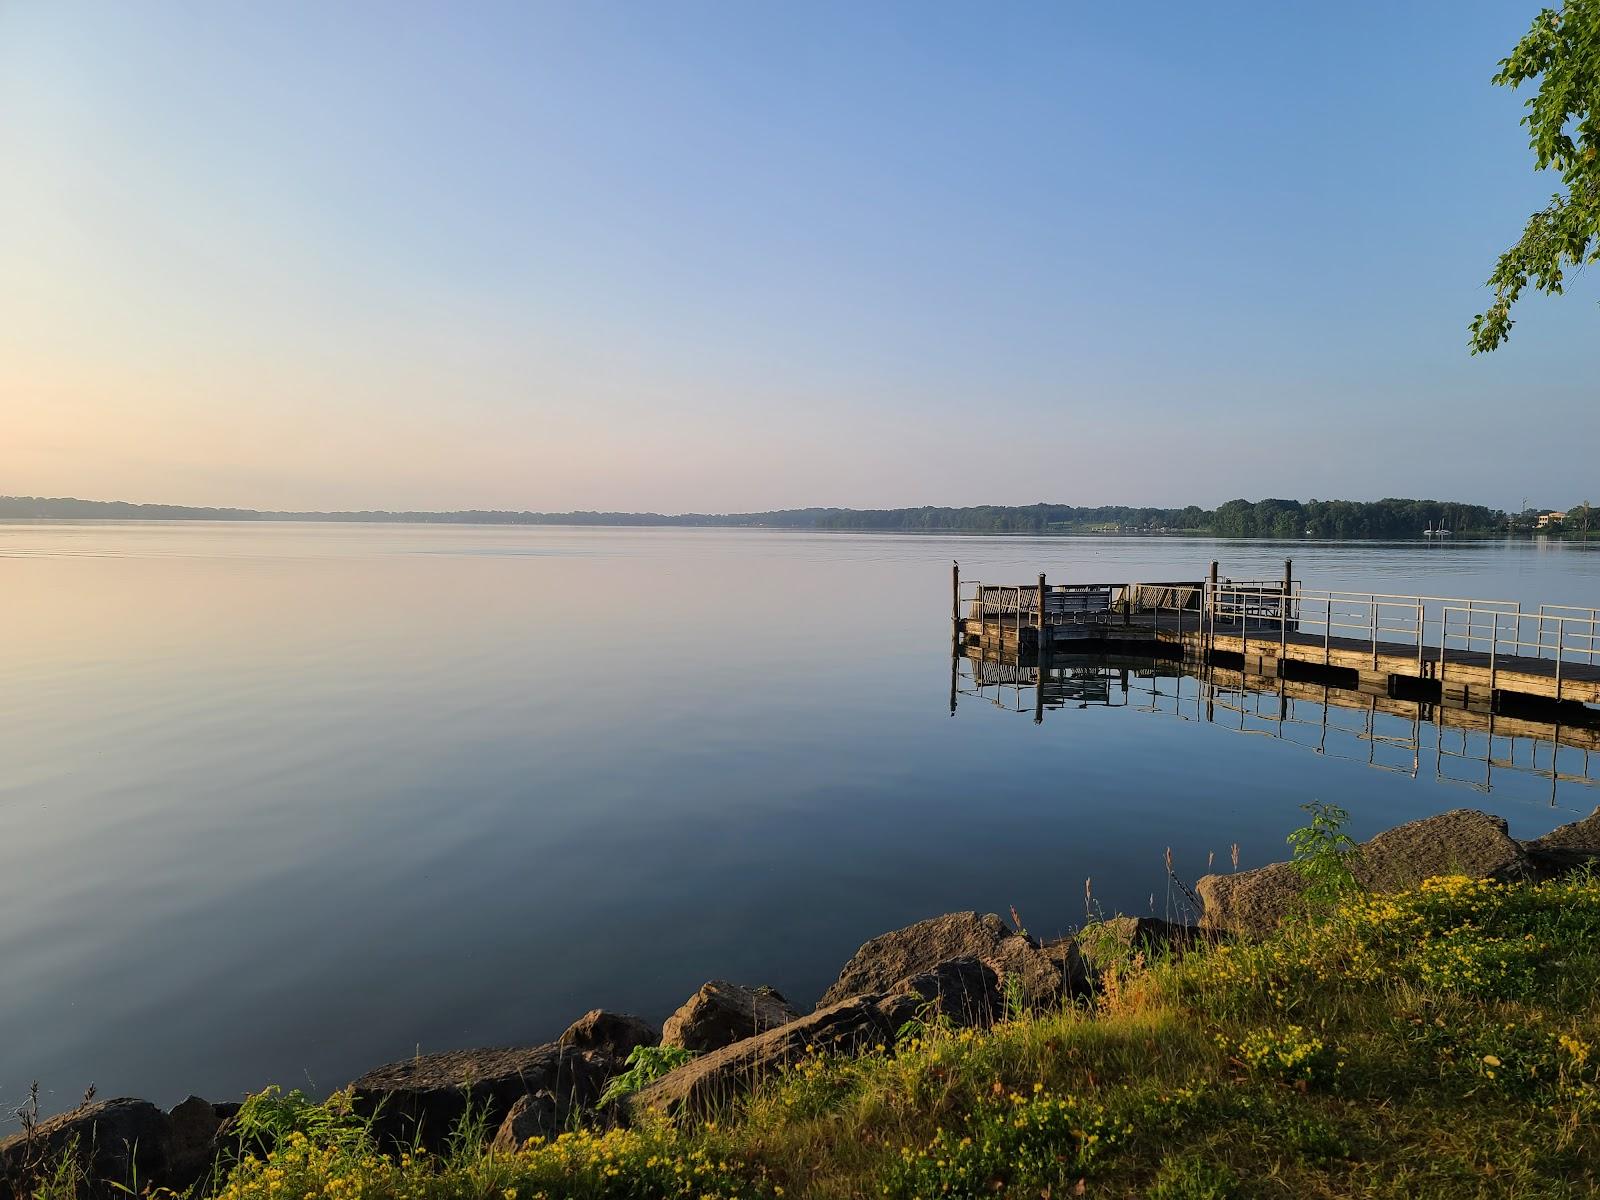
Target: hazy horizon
[
  {"x": 1534, "y": 503},
  {"x": 715, "y": 258}
]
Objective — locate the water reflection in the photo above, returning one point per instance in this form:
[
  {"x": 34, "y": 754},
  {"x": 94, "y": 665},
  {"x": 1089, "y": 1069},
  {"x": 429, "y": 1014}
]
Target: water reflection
[{"x": 1455, "y": 745}]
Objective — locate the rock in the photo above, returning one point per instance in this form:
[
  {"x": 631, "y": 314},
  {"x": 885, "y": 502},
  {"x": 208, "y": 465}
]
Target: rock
[
  {"x": 965, "y": 990},
  {"x": 721, "y": 1013},
  {"x": 1462, "y": 842},
  {"x": 427, "y": 1096},
  {"x": 1249, "y": 903},
  {"x": 534, "y": 1115},
  {"x": 615, "y": 1033},
  {"x": 192, "y": 1143},
  {"x": 1569, "y": 846},
  {"x": 883, "y": 963},
  {"x": 119, "y": 1142},
  {"x": 1118, "y": 940}
]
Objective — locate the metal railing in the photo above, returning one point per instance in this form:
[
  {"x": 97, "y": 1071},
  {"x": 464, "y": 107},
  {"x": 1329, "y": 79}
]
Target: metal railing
[
  {"x": 1383, "y": 624},
  {"x": 1582, "y": 617},
  {"x": 1546, "y": 634},
  {"x": 1386, "y": 623}
]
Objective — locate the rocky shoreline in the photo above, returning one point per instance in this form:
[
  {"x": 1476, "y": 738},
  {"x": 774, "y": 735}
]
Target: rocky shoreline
[{"x": 970, "y": 968}]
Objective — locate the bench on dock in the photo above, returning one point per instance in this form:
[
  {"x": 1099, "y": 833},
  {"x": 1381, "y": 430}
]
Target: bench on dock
[
  {"x": 1161, "y": 597},
  {"x": 1063, "y": 603}
]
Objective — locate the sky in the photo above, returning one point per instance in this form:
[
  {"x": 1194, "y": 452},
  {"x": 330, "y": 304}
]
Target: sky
[{"x": 748, "y": 255}]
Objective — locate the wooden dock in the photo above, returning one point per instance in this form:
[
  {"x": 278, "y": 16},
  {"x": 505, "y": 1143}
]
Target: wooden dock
[{"x": 1475, "y": 655}]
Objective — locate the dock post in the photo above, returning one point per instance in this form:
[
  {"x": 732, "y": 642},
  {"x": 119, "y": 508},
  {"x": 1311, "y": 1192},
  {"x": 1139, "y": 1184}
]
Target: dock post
[
  {"x": 1210, "y": 616},
  {"x": 1041, "y": 659},
  {"x": 955, "y": 630},
  {"x": 1283, "y": 615}
]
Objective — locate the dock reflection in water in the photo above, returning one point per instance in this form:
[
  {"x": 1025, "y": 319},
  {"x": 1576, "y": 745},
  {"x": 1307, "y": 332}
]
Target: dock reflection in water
[{"x": 1410, "y": 737}]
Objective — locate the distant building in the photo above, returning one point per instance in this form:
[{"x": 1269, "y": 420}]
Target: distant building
[{"x": 1551, "y": 518}]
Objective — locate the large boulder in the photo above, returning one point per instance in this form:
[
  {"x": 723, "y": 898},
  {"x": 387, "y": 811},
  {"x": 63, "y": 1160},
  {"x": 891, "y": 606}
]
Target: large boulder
[
  {"x": 426, "y": 1097},
  {"x": 1047, "y": 975},
  {"x": 722, "y": 1013},
  {"x": 615, "y": 1033},
  {"x": 1462, "y": 842},
  {"x": 118, "y": 1143},
  {"x": 1569, "y": 846},
  {"x": 964, "y": 990}
]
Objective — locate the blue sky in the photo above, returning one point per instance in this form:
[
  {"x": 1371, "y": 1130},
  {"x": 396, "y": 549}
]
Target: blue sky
[{"x": 744, "y": 255}]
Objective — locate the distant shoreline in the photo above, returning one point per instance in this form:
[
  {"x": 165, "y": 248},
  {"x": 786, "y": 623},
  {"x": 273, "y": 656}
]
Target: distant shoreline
[
  {"x": 1276, "y": 520},
  {"x": 1062, "y": 535}
]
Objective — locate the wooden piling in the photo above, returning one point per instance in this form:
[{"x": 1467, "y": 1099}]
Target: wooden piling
[
  {"x": 1283, "y": 614},
  {"x": 1209, "y": 618},
  {"x": 1041, "y": 658}
]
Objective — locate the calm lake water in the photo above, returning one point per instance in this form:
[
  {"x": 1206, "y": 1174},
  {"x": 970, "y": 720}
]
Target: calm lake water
[{"x": 284, "y": 802}]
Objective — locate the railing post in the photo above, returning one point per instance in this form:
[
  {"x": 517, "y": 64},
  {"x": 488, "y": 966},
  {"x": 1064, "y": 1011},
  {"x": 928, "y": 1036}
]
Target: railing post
[
  {"x": 1372, "y": 623},
  {"x": 1561, "y": 637},
  {"x": 955, "y": 593},
  {"x": 1494, "y": 648},
  {"x": 1444, "y": 640},
  {"x": 1420, "y": 631}
]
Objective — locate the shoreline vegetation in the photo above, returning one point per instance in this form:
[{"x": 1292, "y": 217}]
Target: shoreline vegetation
[
  {"x": 1415, "y": 1016},
  {"x": 1390, "y": 519}
]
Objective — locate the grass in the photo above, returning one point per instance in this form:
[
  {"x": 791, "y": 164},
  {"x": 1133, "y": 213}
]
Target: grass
[{"x": 1443, "y": 1042}]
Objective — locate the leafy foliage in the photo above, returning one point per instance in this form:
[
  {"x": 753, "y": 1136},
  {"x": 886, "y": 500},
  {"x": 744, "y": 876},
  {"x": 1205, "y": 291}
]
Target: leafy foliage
[
  {"x": 1039, "y": 1140},
  {"x": 1323, "y": 853},
  {"x": 646, "y": 1064},
  {"x": 267, "y": 1119},
  {"x": 1562, "y": 50}
]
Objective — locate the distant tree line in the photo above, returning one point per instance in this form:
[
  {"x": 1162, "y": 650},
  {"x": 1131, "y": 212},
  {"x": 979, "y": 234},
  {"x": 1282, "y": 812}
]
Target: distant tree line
[
  {"x": 1237, "y": 518},
  {"x": 1031, "y": 518},
  {"x": 68, "y": 508},
  {"x": 1351, "y": 518}
]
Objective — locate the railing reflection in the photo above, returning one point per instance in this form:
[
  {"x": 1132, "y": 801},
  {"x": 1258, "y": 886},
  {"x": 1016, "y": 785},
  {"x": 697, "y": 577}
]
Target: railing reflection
[{"x": 1466, "y": 747}]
